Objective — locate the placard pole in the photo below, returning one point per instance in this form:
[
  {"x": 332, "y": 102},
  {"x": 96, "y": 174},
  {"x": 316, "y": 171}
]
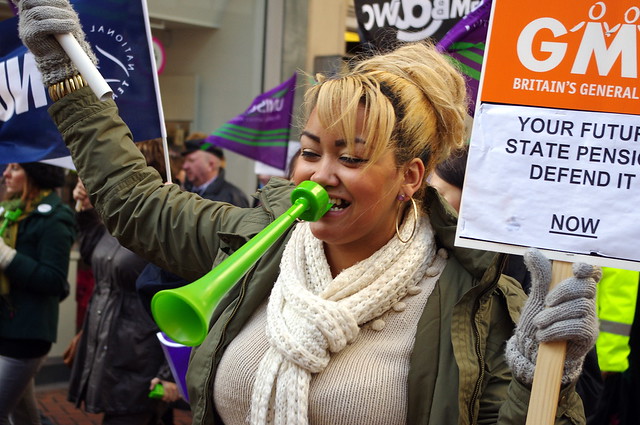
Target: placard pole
[{"x": 545, "y": 390}]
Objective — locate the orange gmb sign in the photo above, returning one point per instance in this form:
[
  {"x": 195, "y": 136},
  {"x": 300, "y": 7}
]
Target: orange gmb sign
[{"x": 567, "y": 54}]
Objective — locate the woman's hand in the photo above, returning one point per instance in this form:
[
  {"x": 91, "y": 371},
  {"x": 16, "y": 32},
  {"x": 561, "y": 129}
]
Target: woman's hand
[
  {"x": 566, "y": 313},
  {"x": 70, "y": 353},
  {"x": 171, "y": 393},
  {"x": 39, "y": 22},
  {"x": 81, "y": 197}
]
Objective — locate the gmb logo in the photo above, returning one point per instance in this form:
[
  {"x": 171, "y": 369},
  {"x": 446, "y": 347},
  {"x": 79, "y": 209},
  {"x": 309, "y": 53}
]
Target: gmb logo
[{"x": 605, "y": 38}]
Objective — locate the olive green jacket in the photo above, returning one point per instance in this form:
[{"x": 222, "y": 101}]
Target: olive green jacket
[{"x": 458, "y": 373}]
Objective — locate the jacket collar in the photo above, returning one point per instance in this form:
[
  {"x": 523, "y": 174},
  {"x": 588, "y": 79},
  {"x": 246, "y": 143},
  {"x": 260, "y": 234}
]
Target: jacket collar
[
  {"x": 48, "y": 204},
  {"x": 272, "y": 201},
  {"x": 444, "y": 220},
  {"x": 216, "y": 185}
]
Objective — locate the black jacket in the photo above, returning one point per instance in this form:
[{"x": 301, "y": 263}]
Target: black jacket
[
  {"x": 118, "y": 353},
  {"x": 222, "y": 190}
]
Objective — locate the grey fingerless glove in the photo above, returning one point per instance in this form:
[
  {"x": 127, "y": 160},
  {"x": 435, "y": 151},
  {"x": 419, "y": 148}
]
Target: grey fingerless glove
[
  {"x": 39, "y": 20},
  {"x": 567, "y": 313}
]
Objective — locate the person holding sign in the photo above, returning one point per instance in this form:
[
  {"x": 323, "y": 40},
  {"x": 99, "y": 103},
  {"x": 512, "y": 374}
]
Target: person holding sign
[
  {"x": 369, "y": 315},
  {"x": 448, "y": 179}
]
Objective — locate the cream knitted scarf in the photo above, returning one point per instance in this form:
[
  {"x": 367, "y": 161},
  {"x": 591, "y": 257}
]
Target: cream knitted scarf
[{"x": 310, "y": 314}]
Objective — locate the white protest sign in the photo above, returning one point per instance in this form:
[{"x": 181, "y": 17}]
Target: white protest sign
[{"x": 554, "y": 158}]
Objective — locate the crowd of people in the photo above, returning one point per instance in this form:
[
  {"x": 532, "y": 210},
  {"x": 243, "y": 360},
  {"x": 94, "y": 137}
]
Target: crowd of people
[
  {"x": 116, "y": 357},
  {"x": 370, "y": 314}
]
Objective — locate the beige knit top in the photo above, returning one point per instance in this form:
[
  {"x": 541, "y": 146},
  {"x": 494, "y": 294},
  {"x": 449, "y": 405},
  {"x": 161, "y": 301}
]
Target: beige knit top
[{"x": 366, "y": 383}]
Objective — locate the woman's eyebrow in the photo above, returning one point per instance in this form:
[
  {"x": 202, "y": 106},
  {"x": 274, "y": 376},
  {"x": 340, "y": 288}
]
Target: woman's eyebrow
[
  {"x": 310, "y": 136},
  {"x": 338, "y": 143},
  {"x": 342, "y": 142}
]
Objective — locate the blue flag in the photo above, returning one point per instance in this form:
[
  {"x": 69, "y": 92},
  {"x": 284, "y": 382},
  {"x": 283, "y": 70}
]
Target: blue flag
[{"x": 117, "y": 31}]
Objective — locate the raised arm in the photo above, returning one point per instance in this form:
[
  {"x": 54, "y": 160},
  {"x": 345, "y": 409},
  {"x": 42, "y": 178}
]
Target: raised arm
[{"x": 174, "y": 229}]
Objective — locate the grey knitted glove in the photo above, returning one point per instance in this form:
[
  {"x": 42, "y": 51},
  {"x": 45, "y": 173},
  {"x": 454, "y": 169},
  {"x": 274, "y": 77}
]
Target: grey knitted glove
[
  {"x": 39, "y": 20},
  {"x": 568, "y": 313}
]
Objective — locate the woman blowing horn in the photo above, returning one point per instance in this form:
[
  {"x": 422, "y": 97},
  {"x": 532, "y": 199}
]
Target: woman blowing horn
[{"x": 369, "y": 315}]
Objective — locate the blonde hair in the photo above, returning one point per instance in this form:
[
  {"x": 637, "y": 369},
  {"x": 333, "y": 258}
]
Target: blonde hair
[{"x": 414, "y": 99}]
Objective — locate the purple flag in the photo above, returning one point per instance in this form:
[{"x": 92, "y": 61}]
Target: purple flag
[
  {"x": 262, "y": 131},
  {"x": 465, "y": 44}
]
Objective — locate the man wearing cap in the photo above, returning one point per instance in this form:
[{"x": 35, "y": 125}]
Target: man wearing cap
[{"x": 203, "y": 166}]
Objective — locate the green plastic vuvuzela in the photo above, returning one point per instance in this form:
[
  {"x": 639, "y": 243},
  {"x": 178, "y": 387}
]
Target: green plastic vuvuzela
[{"x": 184, "y": 313}]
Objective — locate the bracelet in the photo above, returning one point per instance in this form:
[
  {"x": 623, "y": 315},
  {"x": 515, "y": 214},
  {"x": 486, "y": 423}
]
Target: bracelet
[{"x": 59, "y": 90}]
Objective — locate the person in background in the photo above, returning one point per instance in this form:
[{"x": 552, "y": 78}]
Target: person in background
[
  {"x": 34, "y": 262},
  {"x": 633, "y": 372},
  {"x": 617, "y": 306},
  {"x": 204, "y": 172},
  {"x": 118, "y": 357},
  {"x": 374, "y": 295},
  {"x": 448, "y": 179}
]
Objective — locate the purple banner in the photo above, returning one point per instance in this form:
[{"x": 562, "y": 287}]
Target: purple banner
[
  {"x": 465, "y": 44},
  {"x": 177, "y": 356},
  {"x": 262, "y": 131}
]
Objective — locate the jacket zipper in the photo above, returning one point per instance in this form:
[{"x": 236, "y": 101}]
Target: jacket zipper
[{"x": 476, "y": 389}]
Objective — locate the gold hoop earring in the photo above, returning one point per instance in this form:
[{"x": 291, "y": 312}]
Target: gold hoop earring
[{"x": 415, "y": 222}]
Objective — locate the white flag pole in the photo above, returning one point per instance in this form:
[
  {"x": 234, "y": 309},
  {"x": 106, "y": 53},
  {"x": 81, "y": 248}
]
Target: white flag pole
[
  {"x": 87, "y": 69},
  {"x": 156, "y": 84}
]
